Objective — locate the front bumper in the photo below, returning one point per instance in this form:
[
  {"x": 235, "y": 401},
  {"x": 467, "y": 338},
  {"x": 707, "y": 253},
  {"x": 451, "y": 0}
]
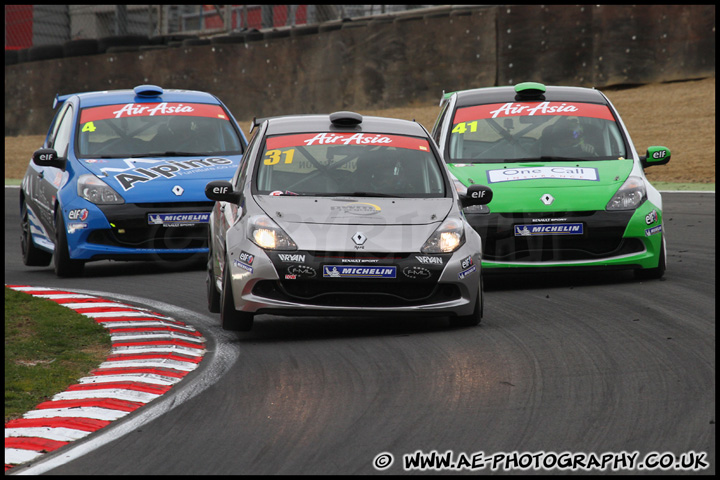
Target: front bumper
[
  {"x": 148, "y": 231},
  {"x": 347, "y": 283},
  {"x": 534, "y": 240}
]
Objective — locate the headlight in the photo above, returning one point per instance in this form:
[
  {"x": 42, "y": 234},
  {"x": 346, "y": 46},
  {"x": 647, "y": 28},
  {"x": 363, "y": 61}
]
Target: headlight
[
  {"x": 267, "y": 235},
  {"x": 629, "y": 196},
  {"x": 448, "y": 237},
  {"x": 94, "y": 190}
]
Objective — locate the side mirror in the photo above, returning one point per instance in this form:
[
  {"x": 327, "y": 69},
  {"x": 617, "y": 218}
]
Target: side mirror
[
  {"x": 221, "y": 191},
  {"x": 655, "y": 156},
  {"x": 47, "y": 157},
  {"x": 476, "y": 195}
]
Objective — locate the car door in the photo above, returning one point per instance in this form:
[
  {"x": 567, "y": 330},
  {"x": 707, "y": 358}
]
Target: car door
[
  {"x": 48, "y": 180},
  {"x": 226, "y": 213}
]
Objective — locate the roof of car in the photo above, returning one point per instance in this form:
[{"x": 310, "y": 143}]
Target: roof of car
[
  {"x": 321, "y": 123},
  {"x": 486, "y": 95},
  {"x": 112, "y": 97}
]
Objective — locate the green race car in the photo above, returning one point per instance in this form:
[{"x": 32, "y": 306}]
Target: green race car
[{"x": 569, "y": 187}]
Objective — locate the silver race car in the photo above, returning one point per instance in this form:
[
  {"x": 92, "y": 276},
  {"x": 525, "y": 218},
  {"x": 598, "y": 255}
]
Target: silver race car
[{"x": 342, "y": 215}]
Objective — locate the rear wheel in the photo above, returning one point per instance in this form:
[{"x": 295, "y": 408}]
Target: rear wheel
[
  {"x": 476, "y": 316},
  {"x": 657, "y": 272},
  {"x": 64, "y": 265},
  {"x": 230, "y": 318},
  {"x": 32, "y": 255}
]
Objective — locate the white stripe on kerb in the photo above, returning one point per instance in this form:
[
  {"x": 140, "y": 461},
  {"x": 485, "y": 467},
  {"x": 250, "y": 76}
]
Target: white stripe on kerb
[
  {"x": 96, "y": 413},
  {"x": 139, "y": 350},
  {"x": 150, "y": 362},
  {"x": 16, "y": 456},
  {"x": 130, "y": 377},
  {"x": 118, "y": 393},
  {"x": 60, "y": 434}
]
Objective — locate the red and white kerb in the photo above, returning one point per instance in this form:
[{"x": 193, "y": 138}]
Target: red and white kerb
[{"x": 150, "y": 353}]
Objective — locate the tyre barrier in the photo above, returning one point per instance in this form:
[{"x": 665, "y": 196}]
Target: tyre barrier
[{"x": 150, "y": 353}]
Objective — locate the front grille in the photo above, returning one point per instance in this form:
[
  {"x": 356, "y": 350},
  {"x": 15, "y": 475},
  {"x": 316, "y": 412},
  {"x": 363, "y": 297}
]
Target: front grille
[
  {"x": 602, "y": 238},
  {"x": 356, "y": 293},
  {"x": 130, "y": 227},
  {"x": 152, "y": 237}
]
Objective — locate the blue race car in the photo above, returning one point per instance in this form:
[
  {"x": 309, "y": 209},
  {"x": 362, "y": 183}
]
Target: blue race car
[{"x": 122, "y": 176}]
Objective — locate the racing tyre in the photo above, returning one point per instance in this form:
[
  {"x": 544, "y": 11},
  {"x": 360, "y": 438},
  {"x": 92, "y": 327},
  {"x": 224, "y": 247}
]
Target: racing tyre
[
  {"x": 657, "y": 272},
  {"x": 32, "y": 256},
  {"x": 64, "y": 265},
  {"x": 230, "y": 318},
  {"x": 474, "y": 318}
]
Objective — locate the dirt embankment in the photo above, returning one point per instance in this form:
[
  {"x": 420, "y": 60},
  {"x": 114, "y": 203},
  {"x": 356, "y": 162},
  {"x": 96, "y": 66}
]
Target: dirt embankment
[{"x": 679, "y": 115}]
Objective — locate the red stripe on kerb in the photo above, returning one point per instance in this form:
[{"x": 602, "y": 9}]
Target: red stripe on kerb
[
  {"x": 136, "y": 319},
  {"x": 84, "y": 424},
  {"x": 118, "y": 308},
  {"x": 129, "y": 385},
  {"x": 33, "y": 443},
  {"x": 150, "y": 356},
  {"x": 177, "y": 343},
  {"x": 154, "y": 371},
  {"x": 76, "y": 300},
  {"x": 109, "y": 403}
]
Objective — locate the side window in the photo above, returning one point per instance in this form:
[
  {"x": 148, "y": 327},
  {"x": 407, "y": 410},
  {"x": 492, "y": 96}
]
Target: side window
[
  {"x": 62, "y": 134},
  {"x": 438, "y": 124},
  {"x": 52, "y": 131},
  {"x": 241, "y": 175}
]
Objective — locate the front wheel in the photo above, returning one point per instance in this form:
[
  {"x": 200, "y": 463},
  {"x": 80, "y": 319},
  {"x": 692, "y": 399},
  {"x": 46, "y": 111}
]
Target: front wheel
[
  {"x": 64, "y": 265},
  {"x": 230, "y": 318}
]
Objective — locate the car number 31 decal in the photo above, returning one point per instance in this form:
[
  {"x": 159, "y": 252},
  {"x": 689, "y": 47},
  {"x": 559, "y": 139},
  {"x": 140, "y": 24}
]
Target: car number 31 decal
[{"x": 272, "y": 157}]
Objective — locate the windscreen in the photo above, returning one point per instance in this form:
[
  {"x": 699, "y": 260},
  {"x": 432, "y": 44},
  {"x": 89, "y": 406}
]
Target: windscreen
[
  {"x": 146, "y": 129},
  {"x": 495, "y": 133},
  {"x": 356, "y": 164}
]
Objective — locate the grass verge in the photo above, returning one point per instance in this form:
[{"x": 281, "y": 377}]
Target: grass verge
[{"x": 47, "y": 348}]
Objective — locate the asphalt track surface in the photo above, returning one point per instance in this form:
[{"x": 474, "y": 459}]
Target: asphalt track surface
[{"x": 581, "y": 363}]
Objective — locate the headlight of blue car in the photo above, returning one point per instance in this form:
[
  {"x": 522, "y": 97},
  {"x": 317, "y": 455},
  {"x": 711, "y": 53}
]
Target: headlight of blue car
[{"x": 94, "y": 190}]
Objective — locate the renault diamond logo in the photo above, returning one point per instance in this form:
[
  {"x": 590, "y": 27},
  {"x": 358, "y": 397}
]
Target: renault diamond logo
[
  {"x": 547, "y": 199},
  {"x": 359, "y": 238},
  {"x": 177, "y": 190}
]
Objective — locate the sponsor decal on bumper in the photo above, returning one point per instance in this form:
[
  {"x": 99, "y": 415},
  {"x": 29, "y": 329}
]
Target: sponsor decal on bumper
[
  {"x": 549, "y": 229},
  {"x": 352, "y": 271},
  {"x": 177, "y": 219},
  {"x": 653, "y": 230}
]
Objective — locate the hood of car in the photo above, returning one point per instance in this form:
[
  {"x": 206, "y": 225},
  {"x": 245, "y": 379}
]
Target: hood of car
[
  {"x": 163, "y": 179},
  {"x": 547, "y": 186},
  {"x": 383, "y": 224}
]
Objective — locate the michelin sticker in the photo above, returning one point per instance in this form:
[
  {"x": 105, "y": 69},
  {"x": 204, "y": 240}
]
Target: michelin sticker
[
  {"x": 245, "y": 261},
  {"x": 549, "y": 229},
  {"x": 653, "y": 230},
  {"x": 177, "y": 219},
  {"x": 566, "y": 173},
  {"x": 351, "y": 271}
]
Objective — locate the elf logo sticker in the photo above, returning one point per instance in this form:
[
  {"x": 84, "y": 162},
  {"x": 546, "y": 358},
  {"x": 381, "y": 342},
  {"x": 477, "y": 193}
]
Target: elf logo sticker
[
  {"x": 245, "y": 261},
  {"x": 78, "y": 214},
  {"x": 651, "y": 217}
]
